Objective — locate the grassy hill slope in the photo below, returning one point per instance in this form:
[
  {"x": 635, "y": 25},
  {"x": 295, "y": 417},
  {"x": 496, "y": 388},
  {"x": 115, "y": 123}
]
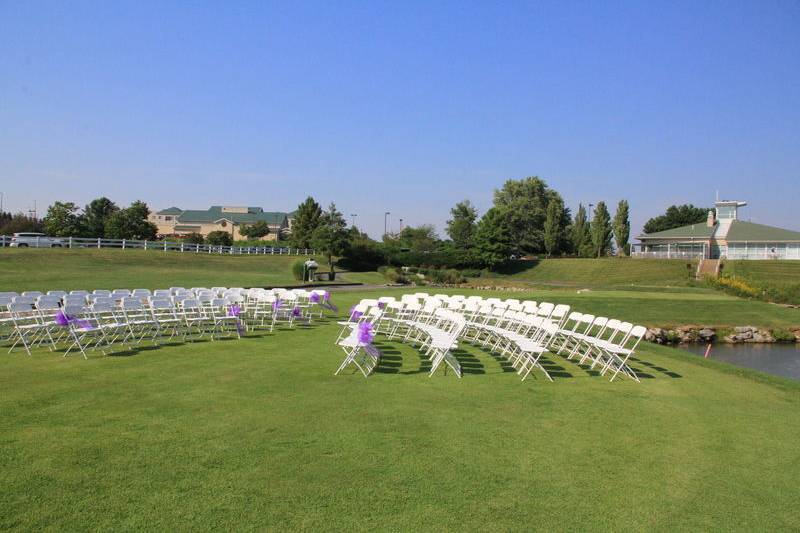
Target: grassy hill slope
[{"x": 609, "y": 271}]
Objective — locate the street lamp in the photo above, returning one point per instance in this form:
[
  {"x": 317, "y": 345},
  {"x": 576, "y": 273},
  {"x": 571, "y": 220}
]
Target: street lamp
[
  {"x": 590, "y": 210},
  {"x": 353, "y": 219},
  {"x": 1, "y": 202},
  {"x": 401, "y": 224},
  {"x": 385, "y": 219}
]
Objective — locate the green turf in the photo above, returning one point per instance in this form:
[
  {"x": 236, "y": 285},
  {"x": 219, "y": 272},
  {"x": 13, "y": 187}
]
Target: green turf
[
  {"x": 778, "y": 273},
  {"x": 34, "y": 269},
  {"x": 259, "y": 434},
  {"x": 610, "y": 271}
]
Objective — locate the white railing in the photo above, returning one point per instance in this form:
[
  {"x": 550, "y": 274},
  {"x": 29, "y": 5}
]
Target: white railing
[
  {"x": 162, "y": 246},
  {"x": 673, "y": 254}
]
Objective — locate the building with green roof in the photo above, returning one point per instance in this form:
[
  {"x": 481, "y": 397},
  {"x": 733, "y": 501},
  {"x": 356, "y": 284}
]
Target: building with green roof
[
  {"x": 175, "y": 221},
  {"x": 723, "y": 235}
]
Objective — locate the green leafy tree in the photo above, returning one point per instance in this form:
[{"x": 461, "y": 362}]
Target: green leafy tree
[
  {"x": 461, "y": 228},
  {"x": 677, "y": 216},
  {"x": 62, "y": 220},
  {"x": 554, "y": 227},
  {"x": 601, "y": 230},
  {"x": 622, "y": 227},
  {"x": 131, "y": 223},
  {"x": 257, "y": 230},
  {"x": 95, "y": 216},
  {"x": 419, "y": 239},
  {"x": 331, "y": 237},
  {"x": 524, "y": 203},
  {"x": 307, "y": 220},
  {"x": 493, "y": 239},
  {"x": 219, "y": 238},
  {"x": 580, "y": 233},
  {"x": 19, "y": 223}
]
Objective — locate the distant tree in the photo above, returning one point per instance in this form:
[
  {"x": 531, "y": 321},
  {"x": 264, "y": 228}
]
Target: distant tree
[
  {"x": 553, "y": 227},
  {"x": 194, "y": 238},
  {"x": 419, "y": 239},
  {"x": 622, "y": 227},
  {"x": 601, "y": 230},
  {"x": 131, "y": 223},
  {"x": 331, "y": 237},
  {"x": 19, "y": 223},
  {"x": 5, "y": 218},
  {"x": 219, "y": 238},
  {"x": 461, "y": 228},
  {"x": 95, "y": 216},
  {"x": 493, "y": 238},
  {"x": 307, "y": 220},
  {"x": 256, "y": 230},
  {"x": 580, "y": 234},
  {"x": 677, "y": 216},
  {"x": 62, "y": 220}
]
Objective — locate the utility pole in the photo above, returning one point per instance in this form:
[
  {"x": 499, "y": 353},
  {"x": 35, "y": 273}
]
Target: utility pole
[{"x": 385, "y": 220}]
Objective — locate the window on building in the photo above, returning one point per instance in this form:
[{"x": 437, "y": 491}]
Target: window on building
[
  {"x": 167, "y": 217},
  {"x": 726, "y": 212}
]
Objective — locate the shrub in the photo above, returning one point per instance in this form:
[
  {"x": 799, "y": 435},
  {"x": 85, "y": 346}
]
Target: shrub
[
  {"x": 382, "y": 269},
  {"x": 453, "y": 277},
  {"x": 471, "y": 273},
  {"x": 362, "y": 256},
  {"x": 194, "y": 238},
  {"x": 393, "y": 275},
  {"x": 298, "y": 267},
  {"x": 219, "y": 238},
  {"x": 782, "y": 335}
]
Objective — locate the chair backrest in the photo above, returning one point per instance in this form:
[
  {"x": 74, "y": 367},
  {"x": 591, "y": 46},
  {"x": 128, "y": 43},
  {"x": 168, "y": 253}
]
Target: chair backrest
[
  {"x": 132, "y": 304},
  {"x": 57, "y": 293},
  {"x": 101, "y": 292}
]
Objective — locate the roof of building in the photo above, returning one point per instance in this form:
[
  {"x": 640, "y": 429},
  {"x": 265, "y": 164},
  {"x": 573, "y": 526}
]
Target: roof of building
[
  {"x": 215, "y": 213},
  {"x": 741, "y": 231},
  {"x": 694, "y": 231},
  {"x": 170, "y": 211},
  {"x": 737, "y": 231}
]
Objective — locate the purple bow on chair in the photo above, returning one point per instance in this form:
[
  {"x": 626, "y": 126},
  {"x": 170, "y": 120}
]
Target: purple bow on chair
[
  {"x": 277, "y": 304},
  {"x": 355, "y": 315},
  {"x": 314, "y": 298},
  {"x": 235, "y": 311},
  {"x": 365, "y": 338},
  {"x": 326, "y": 302},
  {"x": 63, "y": 319}
]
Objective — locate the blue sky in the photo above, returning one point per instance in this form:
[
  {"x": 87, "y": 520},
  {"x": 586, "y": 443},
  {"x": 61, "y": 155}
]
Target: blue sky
[{"x": 405, "y": 107}]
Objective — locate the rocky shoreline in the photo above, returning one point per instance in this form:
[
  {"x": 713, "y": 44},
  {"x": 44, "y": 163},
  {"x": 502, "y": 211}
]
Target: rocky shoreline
[{"x": 740, "y": 334}]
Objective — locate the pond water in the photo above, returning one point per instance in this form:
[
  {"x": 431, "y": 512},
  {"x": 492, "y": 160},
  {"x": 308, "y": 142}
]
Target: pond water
[{"x": 777, "y": 359}]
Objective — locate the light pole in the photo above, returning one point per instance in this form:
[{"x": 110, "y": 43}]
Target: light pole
[
  {"x": 401, "y": 224},
  {"x": 590, "y": 211},
  {"x": 353, "y": 219},
  {"x": 1, "y": 202},
  {"x": 385, "y": 219}
]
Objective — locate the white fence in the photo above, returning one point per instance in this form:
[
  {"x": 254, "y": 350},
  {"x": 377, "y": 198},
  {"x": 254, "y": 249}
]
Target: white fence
[
  {"x": 673, "y": 254},
  {"x": 161, "y": 246}
]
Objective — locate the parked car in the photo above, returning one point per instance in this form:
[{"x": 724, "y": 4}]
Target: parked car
[{"x": 35, "y": 240}]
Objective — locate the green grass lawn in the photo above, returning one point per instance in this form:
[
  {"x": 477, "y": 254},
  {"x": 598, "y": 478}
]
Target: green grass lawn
[
  {"x": 34, "y": 269},
  {"x": 610, "y": 271},
  {"x": 259, "y": 434},
  {"x": 778, "y": 273}
]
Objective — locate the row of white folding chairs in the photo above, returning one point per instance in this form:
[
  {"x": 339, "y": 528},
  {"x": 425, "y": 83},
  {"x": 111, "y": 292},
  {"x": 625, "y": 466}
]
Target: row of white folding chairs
[
  {"x": 107, "y": 322},
  {"x": 608, "y": 343},
  {"x": 435, "y": 333}
]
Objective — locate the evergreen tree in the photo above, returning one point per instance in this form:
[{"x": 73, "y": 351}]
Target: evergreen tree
[
  {"x": 331, "y": 237},
  {"x": 306, "y": 222},
  {"x": 677, "y": 216},
  {"x": 493, "y": 239},
  {"x": 580, "y": 234},
  {"x": 601, "y": 230},
  {"x": 622, "y": 227},
  {"x": 461, "y": 228},
  {"x": 553, "y": 229}
]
